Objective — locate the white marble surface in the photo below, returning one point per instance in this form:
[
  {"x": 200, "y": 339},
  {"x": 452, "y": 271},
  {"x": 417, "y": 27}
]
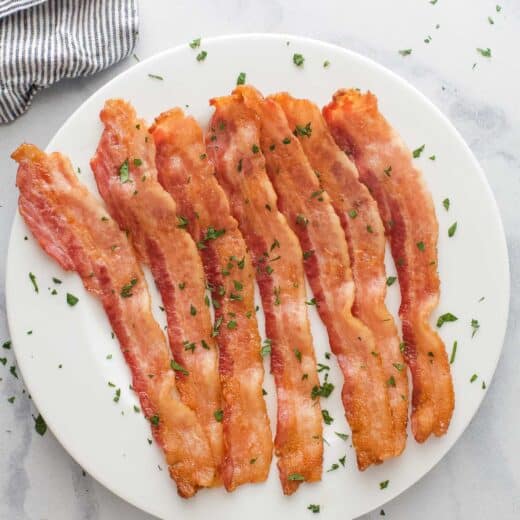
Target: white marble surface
[{"x": 480, "y": 477}]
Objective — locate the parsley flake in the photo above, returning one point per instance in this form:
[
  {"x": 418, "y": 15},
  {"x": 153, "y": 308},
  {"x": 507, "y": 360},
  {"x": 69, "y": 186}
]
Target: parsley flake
[
  {"x": 298, "y": 60},
  {"x": 178, "y": 368},
  {"x": 32, "y": 277},
  {"x": 445, "y": 318},
  {"x": 72, "y": 300},
  {"x": 418, "y": 151},
  {"x": 40, "y": 425}
]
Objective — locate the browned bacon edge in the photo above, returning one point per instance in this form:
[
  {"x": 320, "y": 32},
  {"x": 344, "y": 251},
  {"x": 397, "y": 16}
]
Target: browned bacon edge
[
  {"x": 125, "y": 172},
  {"x": 385, "y": 166},
  {"x": 327, "y": 265},
  {"x": 233, "y": 146},
  {"x": 72, "y": 227},
  {"x": 186, "y": 173},
  {"x": 365, "y": 234}
]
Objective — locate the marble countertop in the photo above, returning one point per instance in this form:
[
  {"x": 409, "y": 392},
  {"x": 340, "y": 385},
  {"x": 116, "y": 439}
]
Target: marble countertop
[{"x": 480, "y": 477}]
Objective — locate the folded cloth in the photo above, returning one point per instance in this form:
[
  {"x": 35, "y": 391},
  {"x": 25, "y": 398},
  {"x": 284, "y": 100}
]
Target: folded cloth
[{"x": 42, "y": 41}]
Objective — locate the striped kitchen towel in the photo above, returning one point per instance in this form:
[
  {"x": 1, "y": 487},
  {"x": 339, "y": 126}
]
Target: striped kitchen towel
[{"x": 42, "y": 41}]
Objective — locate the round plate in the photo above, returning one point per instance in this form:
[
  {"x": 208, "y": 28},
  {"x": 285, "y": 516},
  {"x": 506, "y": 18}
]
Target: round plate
[{"x": 70, "y": 356}]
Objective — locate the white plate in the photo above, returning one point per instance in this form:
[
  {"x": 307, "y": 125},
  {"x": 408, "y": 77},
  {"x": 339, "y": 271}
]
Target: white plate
[{"x": 76, "y": 400}]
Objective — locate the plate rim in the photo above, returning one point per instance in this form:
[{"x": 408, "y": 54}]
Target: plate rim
[{"x": 371, "y": 63}]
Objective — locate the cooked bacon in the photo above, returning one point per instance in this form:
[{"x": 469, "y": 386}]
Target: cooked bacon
[
  {"x": 385, "y": 166},
  {"x": 186, "y": 173},
  {"x": 233, "y": 145},
  {"x": 360, "y": 219},
  {"x": 326, "y": 263},
  {"x": 124, "y": 167},
  {"x": 72, "y": 227}
]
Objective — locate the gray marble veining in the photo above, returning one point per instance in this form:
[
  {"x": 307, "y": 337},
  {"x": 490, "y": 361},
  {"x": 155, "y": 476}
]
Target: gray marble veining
[{"x": 480, "y": 477}]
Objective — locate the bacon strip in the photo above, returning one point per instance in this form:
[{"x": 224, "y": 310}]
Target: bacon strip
[
  {"x": 233, "y": 145},
  {"x": 385, "y": 166},
  {"x": 124, "y": 167},
  {"x": 186, "y": 173},
  {"x": 326, "y": 263},
  {"x": 72, "y": 228},
  {"x": 360, "y": 219}
]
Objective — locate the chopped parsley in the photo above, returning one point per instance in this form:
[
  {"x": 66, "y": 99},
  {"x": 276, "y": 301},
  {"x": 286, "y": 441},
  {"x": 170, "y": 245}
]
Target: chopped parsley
[
  {"x": 446, "y": 204},
  {"x": 232, "y": 324},
  {"x": 475, "y": 325},
  {"x": 308, "y": 254},
  {"x": 72, "y": 300},
  {"x": 418, "y": 151},
  {"x": 484, "y": 52},
  {"x": 398, "y": 366},
  {"x": 473, "y": 378},
  {"x": 182, "y": 222},
  {"x": 32, "y": 277},
  {"x": 388, "y": 171},
  {"x": 212, "y": 234},
  {"x": 126, "y": 290},
  {"x": 286, "y": 140},
  {"x": 241, "y": 79},
  {"x": 255, "y": 148},
  {"x": 327, "y": 419},
  {"x": 352, "y": 213},
  {"x": 56, "y": 280},
  {"x": 216, "y": 327},
  {"x": 391, "y": 381},
  {"x": 201, "y": 56},
  {"x": 303, "y": 131},
  {"x": 322, "y": 391},
  {"x": 7, "y": 344},
  {"x": 369, "y": 229},
  {"x": 296, "y": 476},
  {"x": 421, "y": 246},
  {"x": 453, "y": 352},
  {"x": 326, "y": 64},
  {"x": 266, "y": 347},
  {"x": 124, "y": 174},
  {"x": 195, "y": 44},
  {"x": 193, "y": 310},
  {"x": 405, "y": 52},
  {"x": 342, "y": 436},
  {"x": 445, "y": 318},
  {"x": 334, "y": 467},
  {"x": 298, "y": 60},
  {"x": 154, "y": 419},
  {"x": 219, "y": 415},
  {"x": 452, "y": 229},
  {"x": 391, "y": 280},
  {"x": 298, "y": 355},
  {"x": 178, "y": 368},
  {"x": 40, "y": 425},
  {"x": 384, "y": 484},
  {"x": 11, "y": 399},
  {"x": 315, "y": 508}
]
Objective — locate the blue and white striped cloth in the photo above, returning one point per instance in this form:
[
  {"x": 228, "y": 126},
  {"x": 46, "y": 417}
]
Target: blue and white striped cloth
[{"x": 43, "y": 41}]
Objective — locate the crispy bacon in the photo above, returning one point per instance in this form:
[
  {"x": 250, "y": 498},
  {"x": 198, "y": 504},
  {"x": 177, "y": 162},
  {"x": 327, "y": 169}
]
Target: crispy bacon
[
  {"x": 326, "y": 263},
  {"x": 186, "y": 173},
  {"x": 385, "y": 166},
  {"x": 124, "y": 167},
  {"x": 360, "y": 219},
  {"x": 233, "y": 145},
  {"x": 72, "y": 227}
]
